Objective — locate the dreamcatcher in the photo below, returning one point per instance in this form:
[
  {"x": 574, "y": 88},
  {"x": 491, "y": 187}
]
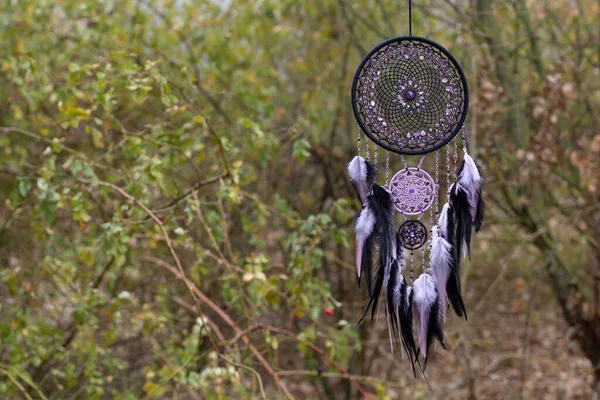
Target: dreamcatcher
[{"x": 410, "y": 97}]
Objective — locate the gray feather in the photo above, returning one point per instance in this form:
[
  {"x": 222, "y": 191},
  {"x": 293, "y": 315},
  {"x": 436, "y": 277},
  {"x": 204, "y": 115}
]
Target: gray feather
[{"x": 440, "y": 260}]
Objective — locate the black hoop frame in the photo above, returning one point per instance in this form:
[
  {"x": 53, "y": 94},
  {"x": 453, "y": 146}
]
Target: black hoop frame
[
  {"x": 422, "y": 228},
  {"x": 461, "y": 76}
]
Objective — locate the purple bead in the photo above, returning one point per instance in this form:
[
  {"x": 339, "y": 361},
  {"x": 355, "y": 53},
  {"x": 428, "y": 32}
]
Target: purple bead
[{"x": 410, "y": 95}]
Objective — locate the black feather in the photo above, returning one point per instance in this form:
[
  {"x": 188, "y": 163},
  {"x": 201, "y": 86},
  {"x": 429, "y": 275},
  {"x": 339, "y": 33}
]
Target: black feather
[
  {"x": 434, "y": 329},
  {"x": 384, "y": 238},
  {"x": 453, "y": 286},
  {"x": 458, "y": 222},
  {"x": 462, "y": 218},
  {"x": 480, "y": 212},
  {"x": 480, "y": 203},
  {"x": 450, "y": 228},
  {"x": 367, "y": 262},
  {"x": 405, "y": 315},
  {"x": 373, "y": 286},
  {"x": 371, "y": 173},
  {"x": 401, "y": 322},
  {"x": 393, "y": 301},
  {"x": 375, "y": 295},
  {"x": 453, "y": 289}
]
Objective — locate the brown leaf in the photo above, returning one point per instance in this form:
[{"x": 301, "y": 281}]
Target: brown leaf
[
  {"x": 517, "y": 305},
  {"x": 595, "y": 145}
]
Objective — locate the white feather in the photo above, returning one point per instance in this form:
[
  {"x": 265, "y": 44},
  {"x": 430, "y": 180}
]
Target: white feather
[
  {"x": 443, "y": 221},
  {"x": 469, "y": 176},
  {"x": 357, "y": 169},
  {"x": 364, "y": 224},
  {"x": 440, "y": 265},
  {"x": 470, "y": 181},
  {"x": 423, "y": 299},
  {"x": 363, "y": 227}
]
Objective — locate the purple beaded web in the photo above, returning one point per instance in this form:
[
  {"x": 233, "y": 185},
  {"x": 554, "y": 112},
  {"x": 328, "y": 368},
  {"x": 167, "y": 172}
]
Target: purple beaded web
[
  {"x": 413, "y": 191},
  {"x": 413, "y": 234},
  {"x": 410, "y": 95}
]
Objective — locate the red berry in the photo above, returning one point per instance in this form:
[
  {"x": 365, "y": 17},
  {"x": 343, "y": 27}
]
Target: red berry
[
  {"x": 161, "y": 217},
  {"x": 328, "y": 311}
]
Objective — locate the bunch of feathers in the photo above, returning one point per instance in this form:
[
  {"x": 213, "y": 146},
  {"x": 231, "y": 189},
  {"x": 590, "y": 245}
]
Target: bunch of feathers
[{"x": 380, "y": 258}]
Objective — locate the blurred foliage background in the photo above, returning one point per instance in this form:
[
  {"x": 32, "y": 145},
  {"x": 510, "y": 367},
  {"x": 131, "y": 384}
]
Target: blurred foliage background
[{"x": 176, "y": 220}]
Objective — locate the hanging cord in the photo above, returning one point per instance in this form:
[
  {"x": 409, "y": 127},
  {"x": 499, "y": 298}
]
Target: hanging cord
[
  {"x": 418, "y": 165},
  {"x": 409, "y": 17},
  {"x": 421, "y": 162},
  {"x": 358, "y": 134},
  {"x": 463, "y": 136},
  {"x": 448, "y": 174},
  {"x": 455, "y": 158},
  {"x": 437, "y": 185},
  {"x": 387, "y": 167},
  {"x": 375, "y": 153},
  {"x": 412, "y": 266},
  {"x": 431, "y": 225},
  {"x": 403, "y": 162}
]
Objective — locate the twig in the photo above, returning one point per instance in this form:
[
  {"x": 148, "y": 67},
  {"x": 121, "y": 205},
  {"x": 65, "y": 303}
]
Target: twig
[
  {"x": 596, "y": 273},
  {"x": 193, "y": 309},
  {"x": 166, "y": 237},
  {"x": 368, "y": 379},
  {"x": 225, "y": 228},
  {"x": 220, "y": 253},
  {"x": 491, "y": 288},
  {"x": 129, "y": 197},
  {"x": 192, "y": 189},
  {"x": 260, "y": 382},
  {"x": 363, "y": 20},
  {"x": 99, "y": 278},
  {"x": 319, "y": 351},
  {"x": 192, "y": 59},
  {"x": 468, "y": 370},
  {"x": 46, "y": 365},
  {"x": 526, "y": 334},
  {"x": 223, "y": 315},
  {"x": 166, "y": 380},
  {"x": 217, "y": 137},
  {"x": 50, "y": 142},
  {"x": 15, "y": 382}
]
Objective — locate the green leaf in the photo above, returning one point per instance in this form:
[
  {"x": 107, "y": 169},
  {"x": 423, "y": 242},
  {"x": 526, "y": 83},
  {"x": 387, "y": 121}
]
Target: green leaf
[
  {"x": 42, "y": 184},
  {"x": 98, "y": 138},
  {"x": 24, "y": 187},
  {"x": 301, "y": 150}
]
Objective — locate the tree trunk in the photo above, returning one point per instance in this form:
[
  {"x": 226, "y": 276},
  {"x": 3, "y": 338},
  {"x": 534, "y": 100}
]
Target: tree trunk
[{"x": 576, "y": 310}]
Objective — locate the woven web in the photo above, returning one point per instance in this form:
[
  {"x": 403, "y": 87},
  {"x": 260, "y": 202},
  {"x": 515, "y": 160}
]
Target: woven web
[
  {"x": 413, "y": 191},
  {"x": 410, "y": 96},
  {"x": 413, "y": 234}
]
